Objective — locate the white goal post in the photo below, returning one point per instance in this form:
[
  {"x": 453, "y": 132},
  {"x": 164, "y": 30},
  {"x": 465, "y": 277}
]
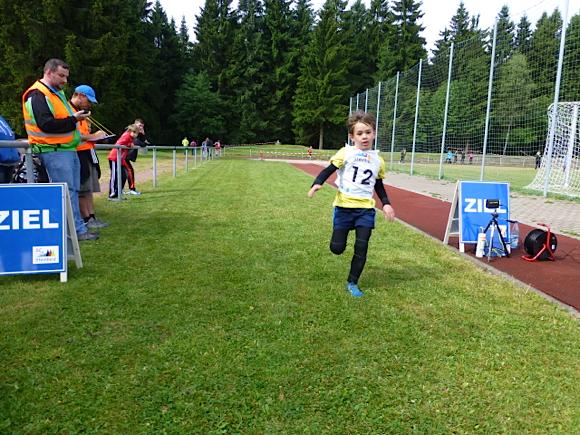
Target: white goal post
[{"x": 562, "y": 167}]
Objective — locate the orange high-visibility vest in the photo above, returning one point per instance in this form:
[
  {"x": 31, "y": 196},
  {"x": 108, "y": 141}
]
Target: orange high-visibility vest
[
  {"x": 60, "y": 108},
  {"x": 84, "y": 130}
]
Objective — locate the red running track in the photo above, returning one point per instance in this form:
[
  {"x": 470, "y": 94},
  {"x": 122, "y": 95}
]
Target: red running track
[{"x": 559, "y": 279}]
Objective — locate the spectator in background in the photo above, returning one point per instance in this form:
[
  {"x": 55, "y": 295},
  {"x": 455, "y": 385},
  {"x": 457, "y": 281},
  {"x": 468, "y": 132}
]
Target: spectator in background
[
  {"x": 131, "y": 156},
  {"x": 83, "y": 98},
  {"x": 449, "y": 158},
  {"x": 538, "y": 159},
  {"x": 470, "y": 157},
  {"x": 51, "y": 126},
  {"x": 9, "y": 157},
  {"x": 218, "y": 148},
  {"x": 403, "y": 155},
  {"x": 127, "y": 139},
  {"x": 185, "y": 142},
  {"x": 204, "y": 148}
]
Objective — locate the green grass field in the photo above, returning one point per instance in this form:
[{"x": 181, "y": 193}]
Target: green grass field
[{"x": 213, "y": 305}]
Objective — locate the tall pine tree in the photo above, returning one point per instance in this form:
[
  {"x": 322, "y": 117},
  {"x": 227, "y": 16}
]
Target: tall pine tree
[{"x": 319, "y": 105}]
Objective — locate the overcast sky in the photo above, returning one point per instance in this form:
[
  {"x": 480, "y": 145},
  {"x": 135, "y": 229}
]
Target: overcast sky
[{"x": 437, "y": 13}]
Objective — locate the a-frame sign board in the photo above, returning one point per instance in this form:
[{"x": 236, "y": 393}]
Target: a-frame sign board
[
  {"x": 469, "y": 215},
  {"x": 37, "y": 229}
]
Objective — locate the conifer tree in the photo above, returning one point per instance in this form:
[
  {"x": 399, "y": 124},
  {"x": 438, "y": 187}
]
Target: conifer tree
[
  {"x": 283, "y": 67},
  {"x": 409, "y": 44},
  {"x": 504, "y": 44},
  {"x": 513, "y": 94},
  {"x": 544, "y": 48},
  {"x": 247, "y": 76},
  {"x": 198, "y": 108},
  {"x": 319, "y": 105},
  {"x": 357, "y": 32},
  {"x": 381, "y": 34},
  {"x": 523, "y": 35}
]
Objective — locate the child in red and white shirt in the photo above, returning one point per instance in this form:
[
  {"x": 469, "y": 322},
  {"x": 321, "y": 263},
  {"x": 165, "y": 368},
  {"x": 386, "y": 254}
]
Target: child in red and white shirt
[{"x": 126, "y": 139}]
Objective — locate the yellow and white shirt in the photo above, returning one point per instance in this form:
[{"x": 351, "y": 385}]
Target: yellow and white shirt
[{"x": 358, "y": 171}]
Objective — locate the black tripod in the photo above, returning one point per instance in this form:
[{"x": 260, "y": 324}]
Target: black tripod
[{"x": 494, "y": 225}]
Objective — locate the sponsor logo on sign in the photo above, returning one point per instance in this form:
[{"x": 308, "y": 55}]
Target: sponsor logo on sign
[{"x": 45, "y": 254}]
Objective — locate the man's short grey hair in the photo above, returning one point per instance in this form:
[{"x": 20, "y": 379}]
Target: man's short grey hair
[{"x": 53, "y": 64}]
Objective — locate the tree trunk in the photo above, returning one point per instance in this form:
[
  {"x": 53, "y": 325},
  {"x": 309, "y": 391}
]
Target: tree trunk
[
  {"x": 321, "y": 137},
  {"x": 507, "y": 137}
]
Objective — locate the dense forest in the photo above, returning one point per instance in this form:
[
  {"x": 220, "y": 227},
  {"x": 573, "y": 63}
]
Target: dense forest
[{"x": 267, "y": 70}]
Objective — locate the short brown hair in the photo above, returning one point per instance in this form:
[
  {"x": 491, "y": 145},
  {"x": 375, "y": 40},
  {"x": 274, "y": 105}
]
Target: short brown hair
[
  {"x": 53, "y": 64},
  {"x": 360, "y": 116}
]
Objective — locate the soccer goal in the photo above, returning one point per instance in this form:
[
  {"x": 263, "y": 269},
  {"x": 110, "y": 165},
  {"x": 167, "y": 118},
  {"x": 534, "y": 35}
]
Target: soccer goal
[{"x": 562, "y": 167}]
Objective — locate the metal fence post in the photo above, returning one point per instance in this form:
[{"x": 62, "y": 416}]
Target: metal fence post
[
  {"x": 446, "y": 110},
  {"x": 174, "y": 154},
  {"x": 154, "y": 166},
  {"x": 119, "y": 175},
  {"x": 571, "y": 142},
  {"x": 556, "y": 98},
  {"x": 367, "y": 100},
  {"x": 416, "y": 116},
  {"x": 394, "y": 120},
  {"x": 488, "y": 110},
  {"x": 29, "y": 165},
  {"x": 377, "y": 117},
  {"x": 186, "y": 161}
]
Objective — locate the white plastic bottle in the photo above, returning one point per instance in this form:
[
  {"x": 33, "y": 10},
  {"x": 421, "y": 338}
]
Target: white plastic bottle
[
  {"x": 480, "y": 248},
  {"x": 515, "y": 235}
]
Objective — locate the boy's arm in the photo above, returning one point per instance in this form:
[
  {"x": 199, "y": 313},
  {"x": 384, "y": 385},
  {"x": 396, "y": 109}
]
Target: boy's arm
[
  {"x": 388, "y": 211},
  {"x": 321, "y": 178}
]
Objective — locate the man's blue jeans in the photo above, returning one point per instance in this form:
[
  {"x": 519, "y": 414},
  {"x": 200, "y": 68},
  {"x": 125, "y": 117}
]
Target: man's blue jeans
[{"x": 64, "y": 167}]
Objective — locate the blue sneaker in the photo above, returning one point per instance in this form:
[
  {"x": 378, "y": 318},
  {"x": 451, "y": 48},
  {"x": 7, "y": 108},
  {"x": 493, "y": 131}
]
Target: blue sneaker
[{"x": 354, "y": 290}]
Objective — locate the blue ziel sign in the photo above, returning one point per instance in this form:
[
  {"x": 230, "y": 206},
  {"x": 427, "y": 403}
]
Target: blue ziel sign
[
  {"x": 473, "y": 214},
  {"x": 32, "y": 228}
]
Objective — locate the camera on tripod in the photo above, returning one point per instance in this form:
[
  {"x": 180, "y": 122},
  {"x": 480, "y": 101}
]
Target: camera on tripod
[{"x": 494, "y": 204}]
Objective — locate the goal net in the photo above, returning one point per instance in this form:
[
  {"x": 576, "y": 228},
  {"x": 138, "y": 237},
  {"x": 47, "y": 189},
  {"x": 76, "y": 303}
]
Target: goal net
[{"x": 561, "y": 169}]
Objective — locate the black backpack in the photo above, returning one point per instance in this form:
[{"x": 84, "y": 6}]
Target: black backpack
[{"x": 39, "y": 174}]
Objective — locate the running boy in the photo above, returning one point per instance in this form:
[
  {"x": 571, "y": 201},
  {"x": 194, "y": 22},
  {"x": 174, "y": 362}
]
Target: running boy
[{"x": 360, "y": 172}]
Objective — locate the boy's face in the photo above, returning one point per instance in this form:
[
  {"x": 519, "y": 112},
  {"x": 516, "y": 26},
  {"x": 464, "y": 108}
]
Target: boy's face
[{"x": 363, "y": 136}]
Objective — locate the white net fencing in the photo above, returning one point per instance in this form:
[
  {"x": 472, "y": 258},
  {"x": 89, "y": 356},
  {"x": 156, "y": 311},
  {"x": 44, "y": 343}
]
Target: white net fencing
[{"x": 477, "y": 107}]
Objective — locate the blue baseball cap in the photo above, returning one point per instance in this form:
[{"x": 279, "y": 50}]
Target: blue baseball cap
[{"x": 88, "y": 91}]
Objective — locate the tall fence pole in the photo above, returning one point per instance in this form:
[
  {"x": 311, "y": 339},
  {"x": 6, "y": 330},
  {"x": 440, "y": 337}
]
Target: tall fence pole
[
  {"x": 394, "y": 120},
  {"x": 377, "y": 117},
  {"x": 349, "y": 113},
  {"x": 173, "y": 153},
  {"x": 488, "y": 110},
  {"x": 571, "y": 142},
  {"x": 446, "y": 110},
  {"x": 416, "y": 115},
  {"x": 29, "y": 164},
  {"x": 357, "y": 101},
  {"x": 556, "y": 97},
  {"x": 154, "y": 166},
  {"x": 367, "y": 100}
]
